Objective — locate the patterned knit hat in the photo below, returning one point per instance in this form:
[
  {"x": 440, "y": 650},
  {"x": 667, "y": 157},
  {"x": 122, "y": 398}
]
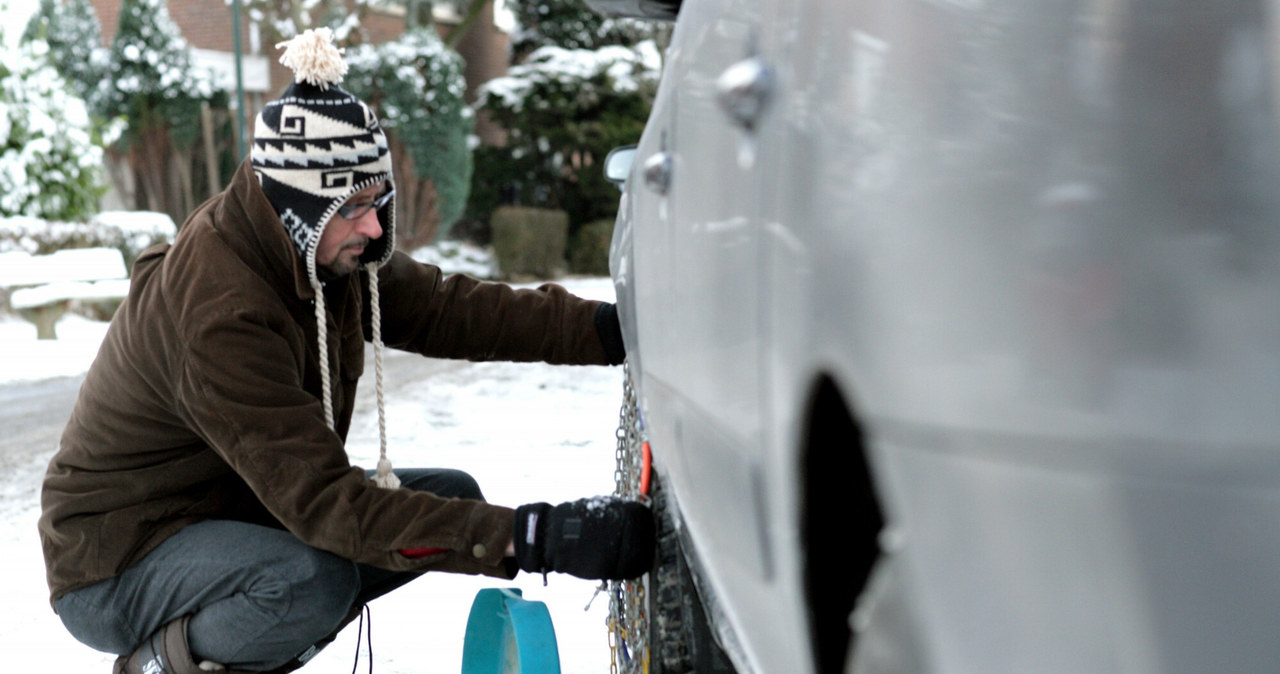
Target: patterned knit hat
[
  {"x": 313, "y": 149},
  {"x": 318, "y": 145}
]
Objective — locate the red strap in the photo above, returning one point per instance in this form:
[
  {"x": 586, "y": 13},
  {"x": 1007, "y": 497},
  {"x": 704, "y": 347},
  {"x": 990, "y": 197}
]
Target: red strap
[
  {"x": 418, "y": 553},
  {"x": 646, "y": 465}
]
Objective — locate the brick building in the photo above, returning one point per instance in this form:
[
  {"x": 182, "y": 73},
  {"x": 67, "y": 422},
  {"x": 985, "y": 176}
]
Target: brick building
[{"x": 207, "y": 27}]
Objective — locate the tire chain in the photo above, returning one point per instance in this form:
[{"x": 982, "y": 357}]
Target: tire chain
[
  {"x": 628, "y": 621},
  {"x": 678, "y": 640}
]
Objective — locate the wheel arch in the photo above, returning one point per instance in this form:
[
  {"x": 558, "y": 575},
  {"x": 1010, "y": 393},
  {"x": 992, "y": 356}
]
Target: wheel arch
[{"x": 840, "y": 504}]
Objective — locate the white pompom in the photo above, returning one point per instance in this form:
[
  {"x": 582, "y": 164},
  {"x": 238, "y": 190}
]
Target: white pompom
[
  {"x": 314, "y": 58},
  {"x": 385, "y": 478}
]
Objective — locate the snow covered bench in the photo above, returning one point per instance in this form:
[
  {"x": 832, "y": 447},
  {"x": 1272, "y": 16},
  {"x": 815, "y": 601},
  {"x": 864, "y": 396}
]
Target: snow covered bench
[{"x": 45, "y": 285}]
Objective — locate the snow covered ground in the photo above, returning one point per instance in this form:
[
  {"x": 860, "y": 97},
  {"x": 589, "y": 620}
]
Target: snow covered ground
[{"x": 528, "y": 432}]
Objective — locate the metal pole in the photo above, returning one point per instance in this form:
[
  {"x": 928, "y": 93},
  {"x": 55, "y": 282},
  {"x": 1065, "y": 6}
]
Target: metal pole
[
  {"x": 240, "y": 109},
  {"x": 411, "y": 14}
]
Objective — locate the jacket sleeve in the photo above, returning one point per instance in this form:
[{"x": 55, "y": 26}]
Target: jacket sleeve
[
  {"x": 461, "y": 317},
  {"x": 241, "y": 389}
]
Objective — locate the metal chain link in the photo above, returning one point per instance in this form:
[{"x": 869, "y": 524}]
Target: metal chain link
[{"x": 628, "y": 622}]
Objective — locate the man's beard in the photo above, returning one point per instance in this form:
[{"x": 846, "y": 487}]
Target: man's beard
[{"x": 341, "y": 265}]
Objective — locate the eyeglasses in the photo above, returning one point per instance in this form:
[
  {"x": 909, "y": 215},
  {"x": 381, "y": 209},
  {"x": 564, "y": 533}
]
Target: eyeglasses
[{"x": 356, "y": 211}]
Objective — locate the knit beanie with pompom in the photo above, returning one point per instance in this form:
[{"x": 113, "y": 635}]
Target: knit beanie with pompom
[{"x": 313, "y": 149}]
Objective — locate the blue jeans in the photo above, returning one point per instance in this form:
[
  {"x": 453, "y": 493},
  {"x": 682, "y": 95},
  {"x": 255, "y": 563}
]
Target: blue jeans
[{"x": 258, "y": 597}]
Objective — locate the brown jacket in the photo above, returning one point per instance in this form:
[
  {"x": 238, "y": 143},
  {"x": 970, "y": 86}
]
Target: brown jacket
[{"x": 204, "y": 401}]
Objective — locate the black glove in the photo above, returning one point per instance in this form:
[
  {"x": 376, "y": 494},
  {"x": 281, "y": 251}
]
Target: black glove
[
  {"x": 610, "y": 331},
  {"x": 599, "y": 538}
]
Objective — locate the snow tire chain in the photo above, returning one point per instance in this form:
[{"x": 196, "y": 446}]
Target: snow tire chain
[{"x": 628, "y": 622}]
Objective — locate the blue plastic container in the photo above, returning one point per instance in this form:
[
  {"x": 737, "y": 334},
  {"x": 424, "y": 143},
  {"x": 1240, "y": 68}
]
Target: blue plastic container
[{"x": 508, "y": 634}]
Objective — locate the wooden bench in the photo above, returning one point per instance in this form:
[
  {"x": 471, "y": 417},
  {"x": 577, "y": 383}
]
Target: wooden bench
[{"x": 44, "y": 286}]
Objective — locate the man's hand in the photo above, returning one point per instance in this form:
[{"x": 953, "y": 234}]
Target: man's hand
[
  {"x": 603, "y": 537},
  {"x": 610, "y": 331}
]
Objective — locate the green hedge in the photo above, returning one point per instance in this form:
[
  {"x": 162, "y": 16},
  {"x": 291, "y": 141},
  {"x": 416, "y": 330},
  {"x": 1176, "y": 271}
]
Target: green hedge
[
  {"x": 529, "y": 242},
  {"x": 589, "y": 250}
]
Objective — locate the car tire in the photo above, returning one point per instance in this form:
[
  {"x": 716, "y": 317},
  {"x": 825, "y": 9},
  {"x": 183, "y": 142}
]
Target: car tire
[{"x": 681, "y": 640}]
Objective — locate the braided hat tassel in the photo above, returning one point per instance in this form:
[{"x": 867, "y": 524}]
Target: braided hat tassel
[{"x": 384, "y": 478}]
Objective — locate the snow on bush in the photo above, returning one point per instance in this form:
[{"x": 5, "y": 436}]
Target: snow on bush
[
  {"x": 49, "y": 165},
  {"x": 564, "y": 110},
  {"x": 573, "y": 71},
  {"x": 131, "y": 232},
  {"x": 74, "y": 35},
  {"x": 573, "y": 25},
  {"x": 152, "y": 80}
]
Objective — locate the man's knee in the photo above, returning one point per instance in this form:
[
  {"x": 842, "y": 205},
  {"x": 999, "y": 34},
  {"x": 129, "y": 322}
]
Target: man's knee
[
  {"x": 462, "y": 485},
  {"x": 446, "y": 482},
  {"x": 305, "y": 596},
  {"x": 293, "y": 604},
  {"x": 322, "y": 584}
]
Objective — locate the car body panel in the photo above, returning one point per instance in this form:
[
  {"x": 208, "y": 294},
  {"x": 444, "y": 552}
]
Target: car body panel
[{"x": 1035, "y": 248}]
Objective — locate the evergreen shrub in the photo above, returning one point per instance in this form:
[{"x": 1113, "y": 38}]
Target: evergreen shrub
[
  {"x": 416, "y": 86},
  {"x": 563, "y": 111},
  {"x": 50, "y": 164},
  {"x": 529, "y": 242},
  {"x": 589, "y": 248}
]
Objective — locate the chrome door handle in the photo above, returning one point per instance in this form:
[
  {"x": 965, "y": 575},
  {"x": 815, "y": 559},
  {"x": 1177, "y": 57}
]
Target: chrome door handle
[
  {"x": 744, "y": 90},
  {"x": 657, "y": 172}
]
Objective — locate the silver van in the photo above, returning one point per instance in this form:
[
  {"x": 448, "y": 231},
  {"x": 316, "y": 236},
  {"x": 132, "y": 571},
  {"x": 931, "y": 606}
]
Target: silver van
[{"x": 955, "y": 331}]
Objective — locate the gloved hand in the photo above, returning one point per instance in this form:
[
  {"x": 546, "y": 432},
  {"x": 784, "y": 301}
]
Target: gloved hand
[
  {"x": 610, "y": 332},
  {"x": 598, "y": 538}
]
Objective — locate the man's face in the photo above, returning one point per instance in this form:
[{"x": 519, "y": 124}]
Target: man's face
[{"x": 343, "y": 240}]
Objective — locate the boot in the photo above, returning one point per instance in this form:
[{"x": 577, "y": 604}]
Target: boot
[{"x": 166, "y": 652}]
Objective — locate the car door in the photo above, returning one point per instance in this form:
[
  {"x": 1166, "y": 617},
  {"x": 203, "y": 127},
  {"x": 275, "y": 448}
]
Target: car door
[{"x": 696, "y": 228}]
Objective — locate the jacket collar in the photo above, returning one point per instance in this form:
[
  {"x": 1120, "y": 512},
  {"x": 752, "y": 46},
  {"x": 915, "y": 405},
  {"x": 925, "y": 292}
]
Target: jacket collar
[{"x": 247, "y": 220}]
